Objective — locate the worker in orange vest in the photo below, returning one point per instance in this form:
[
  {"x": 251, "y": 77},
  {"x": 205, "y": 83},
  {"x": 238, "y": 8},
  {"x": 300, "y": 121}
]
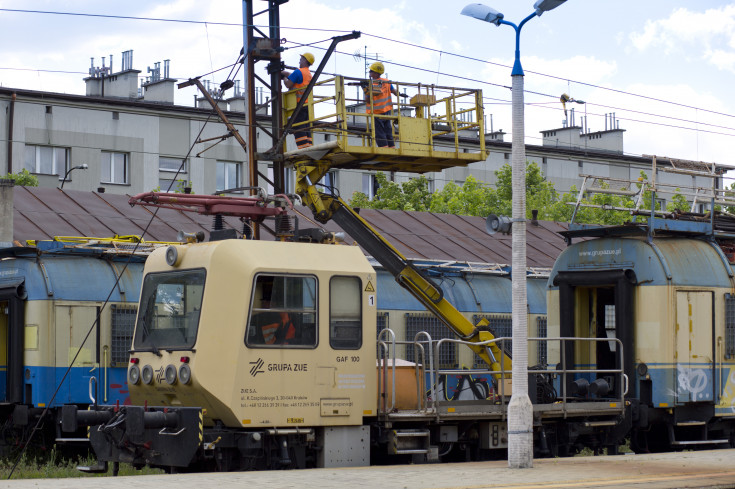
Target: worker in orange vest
[
  {"x": 300, "y": 79},
  {"x": 378, "y": 100}
]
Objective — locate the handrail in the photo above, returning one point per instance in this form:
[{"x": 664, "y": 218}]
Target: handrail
[
  {"x": 564, "y": 371},
  {"x": 417, "y": 342},
  {"x": 452, "y": 110},
  {"x": 382, "y": 368}
]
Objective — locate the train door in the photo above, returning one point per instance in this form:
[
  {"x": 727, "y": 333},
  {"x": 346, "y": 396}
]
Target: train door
[
  {"x": 598, "y": 305},
  {"x": 4, "y": 319},
  {"x": 72, "y": 325},
  {"x": 12, "y": 318},
  {"x": 694, "y": 330}
]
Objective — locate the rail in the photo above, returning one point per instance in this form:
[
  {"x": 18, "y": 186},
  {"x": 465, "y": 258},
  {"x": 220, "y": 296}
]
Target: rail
[
  {"x": 430, "y": 126},
  {"x": 428, "y": 401}
]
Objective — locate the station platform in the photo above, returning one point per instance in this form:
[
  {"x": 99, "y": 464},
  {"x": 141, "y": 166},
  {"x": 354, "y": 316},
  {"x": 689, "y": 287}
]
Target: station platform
[{"x": 699, "y": 469}]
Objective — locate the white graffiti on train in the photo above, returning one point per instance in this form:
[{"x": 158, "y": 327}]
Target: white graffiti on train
[{"x": 692, "y": 381}]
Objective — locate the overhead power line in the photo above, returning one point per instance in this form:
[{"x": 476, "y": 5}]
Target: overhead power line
[{"x": 405, "y": 43}]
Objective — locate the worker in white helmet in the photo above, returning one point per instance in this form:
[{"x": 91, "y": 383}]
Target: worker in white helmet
[
  {"x": 300, "y": 79},
  {"x": 379, "y": 101}
]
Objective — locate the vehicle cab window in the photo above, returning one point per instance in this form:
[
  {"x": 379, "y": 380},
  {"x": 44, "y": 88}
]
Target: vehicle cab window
[
  {"x": 282, "y": 312},
  {"x": 345, "y": 313},
  {"x": 170, "y": 303}
]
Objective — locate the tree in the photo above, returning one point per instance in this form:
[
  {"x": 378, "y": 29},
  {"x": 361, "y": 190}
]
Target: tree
[
  {"x": 23, "y": 178},
  {"x": 475, "y": 198},
  {"x": 678, "y": 203},
  {"x": 412, "y": 195}
]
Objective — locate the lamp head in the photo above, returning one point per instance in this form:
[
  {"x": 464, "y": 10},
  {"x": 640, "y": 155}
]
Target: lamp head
[
  {"x": 542, "y": 6},
  {"x": 483, "y": 12},
  {"x": 83, "y": 166}
]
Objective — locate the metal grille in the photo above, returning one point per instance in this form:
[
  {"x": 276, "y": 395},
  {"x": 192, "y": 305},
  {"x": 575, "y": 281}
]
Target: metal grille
[
  {"x": 123, "y": 324},
  {"x": 542, "y": 332},
  {"x": 437, "y": 330},
  {"x": 500, "y": 327},
  {"x": 729, "y": 326},
  {"x": 382, "y": 321}
]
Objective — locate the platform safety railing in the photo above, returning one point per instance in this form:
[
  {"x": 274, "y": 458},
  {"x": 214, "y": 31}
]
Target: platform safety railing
[
  {"x": 427, "y": 399},
  {"x": 429, "y": 110}
]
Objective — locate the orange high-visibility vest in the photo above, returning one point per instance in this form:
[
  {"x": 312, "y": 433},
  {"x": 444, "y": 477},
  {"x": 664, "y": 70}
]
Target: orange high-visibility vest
[
  {"x": 271, "y": 330},
  {"x": 306, "y": 78},
  {"x": 381, "y": 103}
]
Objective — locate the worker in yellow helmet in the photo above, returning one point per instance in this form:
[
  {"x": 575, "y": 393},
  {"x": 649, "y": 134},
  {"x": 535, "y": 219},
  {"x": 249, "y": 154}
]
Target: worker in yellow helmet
[
  {"x": 300, "y": 79},
  {"x": 379, "y": 101}
]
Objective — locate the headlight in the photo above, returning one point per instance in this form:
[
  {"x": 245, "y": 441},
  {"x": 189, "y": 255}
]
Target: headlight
[
  {"x": 147, "y": 375},
  {"x": 133, "y": 374},
  {"x": 171, "y": 375},
  {"x": 185, "y": 374},
  {"x": 173, "y": 256}
]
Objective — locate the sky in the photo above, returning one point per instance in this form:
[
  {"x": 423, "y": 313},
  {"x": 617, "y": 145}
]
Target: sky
[{"x": 665, "y": 68}]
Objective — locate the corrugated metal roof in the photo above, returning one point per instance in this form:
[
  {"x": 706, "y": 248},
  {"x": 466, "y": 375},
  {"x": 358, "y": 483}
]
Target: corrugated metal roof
[{"x": 42, "y": 213}]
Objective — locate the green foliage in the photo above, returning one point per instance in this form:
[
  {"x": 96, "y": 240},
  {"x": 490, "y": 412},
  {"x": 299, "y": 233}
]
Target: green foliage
[
  {"x": 179, "y": 188},
  {"x": 678, "y": 203},
  {"x": 475, "y": 198},
  {"x": 53, "y": 466},
  {"x": 23, "y": 178},
  {"x": 412, "y": 195}
]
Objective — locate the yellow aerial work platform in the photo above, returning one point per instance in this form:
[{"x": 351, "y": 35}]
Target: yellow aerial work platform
[{"x": 438, "y": 128}]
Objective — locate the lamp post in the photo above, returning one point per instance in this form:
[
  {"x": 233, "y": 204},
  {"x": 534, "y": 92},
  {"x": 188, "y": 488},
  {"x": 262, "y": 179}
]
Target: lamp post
[
  {"x": 520, "y": 409},
  {"x": 83, "y": 166}
]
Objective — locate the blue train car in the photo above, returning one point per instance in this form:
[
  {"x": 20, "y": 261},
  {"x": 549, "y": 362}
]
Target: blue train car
[
  {"x": 65, "y": 304},
  {"x": 478, "y": 291},
  {"x": 664, "y": 293}
]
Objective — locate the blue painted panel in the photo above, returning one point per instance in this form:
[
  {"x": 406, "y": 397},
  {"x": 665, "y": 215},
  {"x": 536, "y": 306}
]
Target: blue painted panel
[
  {"x": 74, "y": 278},
  {"x": 476, "y": 294},
  {"x": 691, "y": 262},
  {"x": 536, "y": 291},
  {"x": 493, "y": 294},
  {"x": 75, "y": 389}
]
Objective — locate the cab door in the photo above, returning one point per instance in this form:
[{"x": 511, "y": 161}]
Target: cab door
[{"x": 694, "y": 355}]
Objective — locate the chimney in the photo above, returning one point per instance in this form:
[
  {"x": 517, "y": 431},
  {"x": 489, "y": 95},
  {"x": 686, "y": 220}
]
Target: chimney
[
  {"x": 6, "y": 210},
  {"x": 159, "y": 87},
  {"x": 534, "y": 217},
  {"x": 102, "y": 82}
]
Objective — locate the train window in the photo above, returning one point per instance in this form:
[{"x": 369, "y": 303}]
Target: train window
[
  {"x": 170, "y": 306},
  {"x": 345, "y": 313},
  {"x": 282, "y": 312}
]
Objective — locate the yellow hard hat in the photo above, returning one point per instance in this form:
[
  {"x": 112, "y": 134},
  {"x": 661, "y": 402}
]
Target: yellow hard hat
[
  {"x": 377, "y": 67},
  {"x": 309, "y": 57}
]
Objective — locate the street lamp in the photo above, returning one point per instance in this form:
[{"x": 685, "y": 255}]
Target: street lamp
[
  {"x": 83, "y": 166},
  {"x": 520, "y": 409}
]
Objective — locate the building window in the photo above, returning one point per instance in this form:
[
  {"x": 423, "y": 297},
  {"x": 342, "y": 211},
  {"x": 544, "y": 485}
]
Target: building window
[
  {"x": 369, "y": 185},
  {"x": 171, "y": 185},
  {"x": 228, "y": 175},
  {"x": 329, "y": 181},
  {"x": 114, "y": 167},
  {"x": 48, "y": 160},
  {"x": 171, "y": 164}
]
